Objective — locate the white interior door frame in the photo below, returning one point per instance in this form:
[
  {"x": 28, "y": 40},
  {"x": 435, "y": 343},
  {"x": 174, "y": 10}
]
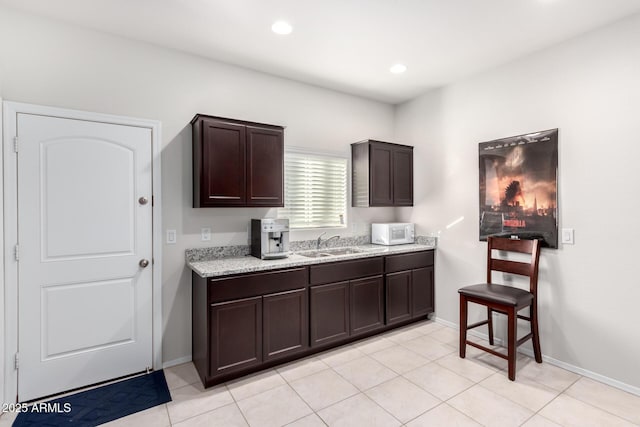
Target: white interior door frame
[
  {"x": 2, "y": 330},
  {"x": 10, "y": 111}
]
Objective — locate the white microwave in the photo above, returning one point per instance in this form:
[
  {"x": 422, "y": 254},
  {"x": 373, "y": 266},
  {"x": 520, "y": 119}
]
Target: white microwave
[{"x": 392, "y": 233}]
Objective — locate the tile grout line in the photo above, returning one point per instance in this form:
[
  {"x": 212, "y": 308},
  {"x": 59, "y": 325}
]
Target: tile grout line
[
  {"x": 401, "y": 373},
  {"x": 235, "y": 402},
  {"x": 256, "y": 374},
  {"x": 313, "y": 411},
  {"x": 545, "y": 405},
  {"x": 375, "y": 361},
  {"x": 307, "y": 375},
  {"x": 398, "y": 375},
  {"x": 341, "y": 400},
  {"x": 206, "y": 412},
  {"x": 442, "y": 402},
  {"x": 389, "y": 380},
  {"x": 594, "y": 406},
  {"x": 171, "y": 423},
  {"x": 511, "y": 401},
  {"x": 445, "y": 400},
  {"x": 308, "y": 404},
  {"x": 166, "y": 409}
]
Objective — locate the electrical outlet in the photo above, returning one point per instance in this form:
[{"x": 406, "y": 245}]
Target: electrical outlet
[
  {"x": 205, "y": 234},
  {"x": 171, "y": 237},
  {"x": 567, "y": 236}
]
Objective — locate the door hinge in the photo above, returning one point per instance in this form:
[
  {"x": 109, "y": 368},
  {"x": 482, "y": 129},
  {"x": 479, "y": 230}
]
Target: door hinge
[
  {"x": 15, "y": 144},
  {"x": 16, "y": 361},
  {"x": 17, "y": 252}
]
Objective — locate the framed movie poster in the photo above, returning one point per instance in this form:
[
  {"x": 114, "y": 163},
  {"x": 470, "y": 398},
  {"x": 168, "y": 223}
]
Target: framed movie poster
[{"x": 519, "y": 187}]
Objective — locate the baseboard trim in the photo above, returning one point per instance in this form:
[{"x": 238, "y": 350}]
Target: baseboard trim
[
  {"x": 559, "y": 363},
  {"x": 178, "y": 361}
]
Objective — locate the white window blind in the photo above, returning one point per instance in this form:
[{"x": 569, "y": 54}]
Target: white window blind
[{"x": 315, "y": 190}]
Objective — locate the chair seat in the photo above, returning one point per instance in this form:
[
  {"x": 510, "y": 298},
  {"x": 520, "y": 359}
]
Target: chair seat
[{"x": 500, "y": 294}]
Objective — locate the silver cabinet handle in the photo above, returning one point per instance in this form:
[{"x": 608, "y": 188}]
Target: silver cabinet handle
[
  {"x": 143, "y": 263},
  {"x": 143, "y": 200}
]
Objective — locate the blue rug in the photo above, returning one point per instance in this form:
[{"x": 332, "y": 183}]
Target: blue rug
[{"x": 99, "y": 405}]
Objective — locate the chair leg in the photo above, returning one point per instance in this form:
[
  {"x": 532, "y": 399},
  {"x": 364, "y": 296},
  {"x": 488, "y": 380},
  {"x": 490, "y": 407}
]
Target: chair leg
[
  {"x": 535, "y": 338},
  {"x": 512, "y": 316},
  {"x": 463, "y": 326},
  {"x": 490, "y": 324}
]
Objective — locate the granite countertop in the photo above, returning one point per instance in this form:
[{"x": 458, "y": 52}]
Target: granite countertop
[{"x": 245, "y": 264}]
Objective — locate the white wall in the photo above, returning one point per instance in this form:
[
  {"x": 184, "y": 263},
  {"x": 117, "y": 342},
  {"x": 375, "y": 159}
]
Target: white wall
[
  {"x": 589, "y": 88},
  {"x": 49, "y": 63}
]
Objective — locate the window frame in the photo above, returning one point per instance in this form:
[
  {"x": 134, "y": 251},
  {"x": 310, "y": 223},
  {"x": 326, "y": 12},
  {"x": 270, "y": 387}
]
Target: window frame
[{"x": 321, "y": 154}]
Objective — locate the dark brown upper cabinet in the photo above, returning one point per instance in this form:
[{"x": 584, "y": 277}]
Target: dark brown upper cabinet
[
  {"x": 237, "y": 163},
  {"x": 382, "y": 174}
]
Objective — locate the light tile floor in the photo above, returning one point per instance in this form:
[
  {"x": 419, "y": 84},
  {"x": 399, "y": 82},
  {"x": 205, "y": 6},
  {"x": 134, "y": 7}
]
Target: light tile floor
[{"x": 411, "y": 377}]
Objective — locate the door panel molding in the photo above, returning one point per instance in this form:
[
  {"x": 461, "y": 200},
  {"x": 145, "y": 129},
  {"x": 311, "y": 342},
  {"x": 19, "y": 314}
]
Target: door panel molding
[{"x": 9, "y": 217}]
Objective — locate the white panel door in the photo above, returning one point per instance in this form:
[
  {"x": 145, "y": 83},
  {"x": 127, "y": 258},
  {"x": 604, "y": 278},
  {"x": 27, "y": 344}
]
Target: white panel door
[{"x": 84, "y": 298}]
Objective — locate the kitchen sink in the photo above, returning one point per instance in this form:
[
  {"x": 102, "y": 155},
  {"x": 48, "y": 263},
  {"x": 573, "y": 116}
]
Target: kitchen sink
[
  {"x": 329, "y": 252},
  {"x": 342, "y": 251},
  {"x": 314, "y": 254}
]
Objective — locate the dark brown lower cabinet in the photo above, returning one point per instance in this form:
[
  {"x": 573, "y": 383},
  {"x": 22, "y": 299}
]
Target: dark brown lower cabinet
[
  {"x": 285, "y": 324},
  {"x": 344, "y": 309},
  {"x": 236, "y": 335},
  {"x": 409, "y": 294},
  {"x": 247, "y": 322},
  {"x": 329, "y": 313},
  {"x": 398, "y": 297},
  {"x": 366, "y": 308}
]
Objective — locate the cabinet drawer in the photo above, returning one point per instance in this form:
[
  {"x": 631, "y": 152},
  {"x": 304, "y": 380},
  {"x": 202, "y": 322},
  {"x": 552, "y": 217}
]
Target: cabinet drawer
[
  {"x": 393, "y": 263},
  {"x": 345, "y": 270},
  {"x": 248, "y": 285}
]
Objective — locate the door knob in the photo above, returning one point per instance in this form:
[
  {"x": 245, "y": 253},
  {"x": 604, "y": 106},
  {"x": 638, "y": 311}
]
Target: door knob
[
  {"x": 143, "y": 200},
  {"x": 143, "y": 263}
]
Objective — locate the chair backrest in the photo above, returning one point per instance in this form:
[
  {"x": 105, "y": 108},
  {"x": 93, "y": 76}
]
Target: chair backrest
[{"x": 530, "y": 269}]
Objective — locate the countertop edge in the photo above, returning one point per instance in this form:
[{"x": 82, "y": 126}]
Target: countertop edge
[{"x": 222, "y": 267}]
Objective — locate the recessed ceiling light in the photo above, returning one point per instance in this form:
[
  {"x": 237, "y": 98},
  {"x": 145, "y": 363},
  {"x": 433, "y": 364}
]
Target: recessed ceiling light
[
  {"x": 398, "y": 69},
  {"x": 281, "y": 27}
]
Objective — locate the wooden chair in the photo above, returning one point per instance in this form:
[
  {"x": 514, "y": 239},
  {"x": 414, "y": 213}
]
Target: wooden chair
[{"x": 505, "y": 299}]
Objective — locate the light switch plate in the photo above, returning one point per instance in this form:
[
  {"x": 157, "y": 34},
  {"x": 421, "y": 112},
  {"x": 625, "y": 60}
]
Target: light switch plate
[
  {"x": 205, "y": 234},
  {"x": 567, "y": 236},
  {"x": 171, "y": 237}
]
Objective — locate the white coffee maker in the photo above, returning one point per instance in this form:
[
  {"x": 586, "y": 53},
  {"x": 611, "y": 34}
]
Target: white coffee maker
[{"x": 270, "y": 238}]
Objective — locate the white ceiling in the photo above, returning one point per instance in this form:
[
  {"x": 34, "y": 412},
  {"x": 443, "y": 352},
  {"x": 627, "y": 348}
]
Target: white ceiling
[{"x": 347, "y": 45}]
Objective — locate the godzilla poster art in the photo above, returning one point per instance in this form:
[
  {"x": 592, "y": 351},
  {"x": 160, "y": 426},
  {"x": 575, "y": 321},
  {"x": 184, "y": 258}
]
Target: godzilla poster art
[{"x": 518, "y": 187}]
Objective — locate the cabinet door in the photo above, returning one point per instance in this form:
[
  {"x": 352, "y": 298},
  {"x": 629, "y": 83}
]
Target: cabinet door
[
  {"x": 366, "y": 307},
  {"x": 380, "y": 174},
  {"x": 223, "y": 164},
  {"x": 402, "y": 176},
  {"x": 265, "y": 166},
  {"x": 329, "y": 313},
  {"x": 235, "y": 335},
  {"x": 422, "y": 291},
  {"x": 285, "y": 324},
  {"x": 398, "y": 297}
]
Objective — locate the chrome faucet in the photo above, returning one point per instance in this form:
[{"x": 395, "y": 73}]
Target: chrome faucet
[{"x": 319, "y": 241}]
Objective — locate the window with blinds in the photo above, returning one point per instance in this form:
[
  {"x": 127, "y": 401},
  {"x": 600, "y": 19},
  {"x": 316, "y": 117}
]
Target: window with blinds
[{"x": 315, "y": 190}]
